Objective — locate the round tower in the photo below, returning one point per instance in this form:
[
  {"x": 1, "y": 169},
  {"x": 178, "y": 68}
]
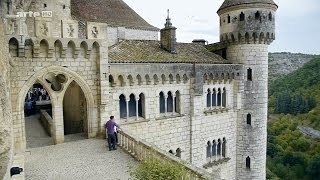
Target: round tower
[{"x": 247, "y": 27}]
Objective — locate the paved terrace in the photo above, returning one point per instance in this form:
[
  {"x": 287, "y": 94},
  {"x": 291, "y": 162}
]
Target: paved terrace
[{"x": 81, "y": 159}]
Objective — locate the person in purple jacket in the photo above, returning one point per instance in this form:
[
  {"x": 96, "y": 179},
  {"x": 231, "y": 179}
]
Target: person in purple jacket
[{"x": 110, "y": 131}]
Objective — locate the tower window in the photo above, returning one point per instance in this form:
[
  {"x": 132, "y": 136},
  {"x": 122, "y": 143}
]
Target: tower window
[
  {"x": 64, "y": 6},
  {"x": 242, "y": 16},
  {"x": 248, "y": 162},
  {"x": 249, "y": 74},
  {"x": 249, "y": 119},
  {"x": 270, "y": 16},
  {"x": 44, "y": 5},
  {"x": 229, "y": 19},
  {"x": 257, "y": 15}
]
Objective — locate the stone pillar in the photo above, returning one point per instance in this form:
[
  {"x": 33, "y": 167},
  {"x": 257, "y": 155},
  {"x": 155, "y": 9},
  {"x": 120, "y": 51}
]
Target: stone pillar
[
  {"x": 137, "y": 108},
  {"x": 173, "y": 104},
  {"x": 127, "y": 104},
  {"x": 58, "y": 128},
  {"x": 165, "y": 104}
]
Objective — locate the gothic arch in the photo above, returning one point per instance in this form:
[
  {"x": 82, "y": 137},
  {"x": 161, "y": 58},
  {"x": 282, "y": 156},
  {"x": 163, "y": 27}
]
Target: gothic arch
[{"x": 56, "y": 99}]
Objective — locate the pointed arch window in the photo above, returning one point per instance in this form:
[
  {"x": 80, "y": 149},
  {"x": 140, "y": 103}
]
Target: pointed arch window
[
  {"x": 242, "y": 16},
  {"x": 219, "y": 97},
  {"x": 170, "y": 102},
  {"x": 209, "y": 98},
  {"x": 162, "y": 102},
  {"x": 214, "y": 148},
  {"x": 141, "y": 106},
  {"x": 224, "y": 98},
  {"x": 132, "y": 106},
  {"x": 209, "y": 149},
  {"x": 219, "y": 148},
  {"x": 177, "y": 102},
  {"x": 214, "y": 98},
  {"x": 224, "y": 146},
  {"x": 123, "y": 106}
]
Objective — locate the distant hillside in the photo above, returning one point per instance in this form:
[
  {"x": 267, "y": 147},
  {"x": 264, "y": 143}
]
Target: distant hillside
[
  {"x": 283, "y": 63},
  {"x": 298, "y": 93}
]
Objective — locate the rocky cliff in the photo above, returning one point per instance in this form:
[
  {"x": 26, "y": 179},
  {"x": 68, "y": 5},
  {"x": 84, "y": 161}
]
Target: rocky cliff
[
  {"x": 6, "y": 140},
  {"x": 283, "y": 63}
]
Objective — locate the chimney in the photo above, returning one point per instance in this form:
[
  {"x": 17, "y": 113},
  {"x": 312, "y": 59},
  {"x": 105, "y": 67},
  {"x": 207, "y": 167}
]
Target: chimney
[
  {"x": 168, "y": 36},
  {"x": 199, "y": 41}
]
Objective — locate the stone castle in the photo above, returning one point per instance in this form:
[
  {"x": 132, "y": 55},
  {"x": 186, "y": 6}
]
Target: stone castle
[{"x": 205, "y": 104}]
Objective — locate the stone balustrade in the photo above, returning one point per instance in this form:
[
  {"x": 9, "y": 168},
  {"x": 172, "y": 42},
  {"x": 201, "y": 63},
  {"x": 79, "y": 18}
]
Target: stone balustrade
[
  {"x": 46, "y": 121},
  {"x": 141, "y": 150}
]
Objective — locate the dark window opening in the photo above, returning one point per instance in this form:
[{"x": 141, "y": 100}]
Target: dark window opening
[
  {"x": 178, "y": 153},
  {"x": 249, "y": 74},
  {"x": 229, "y": 19},
  {"x": 224, "y": 146},
  {"x": 44, "y": 5},
  {"x": 209, "y": 98},
  {"x": 162, "y": 103},
  {"x": 208, "y": 149},
  {"x": 123, "y": 106},
  {"x": 214, "y": 98},
  {"x": 64, "y": 6},
  {"x": 270, "y": 16},
  {"x": 248, "y": 162},
  {"x": 257, "y": 15},
  {"x": 249, "y": 119},
  {"x": 219, "y": 147},
  {"x": 242, "y": 16},
  {"x": 132, "y": 106},
  {"x": 219, "y": 97},
  {"x": 214, "y": 148},
  {"x": 170, "y": 102}
]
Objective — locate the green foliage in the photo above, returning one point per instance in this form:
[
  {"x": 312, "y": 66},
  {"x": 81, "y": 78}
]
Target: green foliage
[
  {"x": 290, "y": 154},
  {"x": 152, "y": 169}
]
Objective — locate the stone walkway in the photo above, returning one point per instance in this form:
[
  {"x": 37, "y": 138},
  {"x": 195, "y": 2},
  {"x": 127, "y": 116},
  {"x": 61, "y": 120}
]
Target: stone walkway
[
  {"x": 87, "y": 159},
  {"x": 77, "y": 159}
]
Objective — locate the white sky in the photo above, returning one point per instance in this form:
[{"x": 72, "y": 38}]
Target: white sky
[{"x": 298, "y": 21}]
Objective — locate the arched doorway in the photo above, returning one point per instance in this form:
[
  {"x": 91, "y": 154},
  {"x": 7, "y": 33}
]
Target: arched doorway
[
  {"x": 38, "y": 117},
  {"x": 75, "y": 113}
]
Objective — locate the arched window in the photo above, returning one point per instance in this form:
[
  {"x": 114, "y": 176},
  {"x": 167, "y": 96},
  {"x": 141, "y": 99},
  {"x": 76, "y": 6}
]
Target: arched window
[
  {"x": 170, "y": 79},
  {"x": 219, "y": 98},
  {"x": 214, "y": 148},
  {"x": 249, "y": 119},
  {"x": 248, "y": 163},
  {"x": 247, "y": 38},
  {"x": 141, "y": 106},
  {"x": 209, "y": 98},
  {"x": 170, "y": 102},
  {"x": 219, "y": 147},
  {"x": 57, "y": 49},
  {"x": 214, "y": 98},
  {"x": 130, "y": 79},
  {"x": 83, "y": 50},
  {"x": 242, "y": 16},
  {"x": 209, "y": 149},
  {"x": 178, "y": 79},
  {"x": 121, "y": 81},
  {"x": 224, "y": 98},
  {"x": 156, "y": 80},
  {"x": 270, "y": 16},
  {"x": 224, "y": 146},
  {"x": 132, "y": 106},
  {"x": 14, "y": 47},
  {"x": 28, "y": 48},
  {"x": 257, "y": 15},
  {"x": 185, "y": 78},
  {"x": 111, "y": 81},
  {"x": 123, "y": 106},
  {"x": 249, "y": 74},
  {"x": 162, "y": 102},
  {"x": 229, "y": 18},
  {"x": 163, "y": 79},
  {"x": 139, "y": 80},
  {"x": 148, "y": 79},
  {"x": 177, "y": 102},
  {"x": 44, "y": 48},
  {"x": 70, "y": 50},
  {"x": 178, "y": 152}
]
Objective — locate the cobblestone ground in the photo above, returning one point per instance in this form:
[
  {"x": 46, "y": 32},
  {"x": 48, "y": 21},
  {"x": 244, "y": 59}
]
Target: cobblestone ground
[
  {"x": 86, "y": 159},
  {"x": 77, "y": 159}
]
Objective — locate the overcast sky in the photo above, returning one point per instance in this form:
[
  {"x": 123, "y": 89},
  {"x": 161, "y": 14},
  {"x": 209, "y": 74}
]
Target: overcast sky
[{"x": 297, "y": 21}]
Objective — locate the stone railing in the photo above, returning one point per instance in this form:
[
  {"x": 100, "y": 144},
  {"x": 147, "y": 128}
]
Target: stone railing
[
  {"x": 46, "y": 121},
  {"x": 141, "y": 150}
]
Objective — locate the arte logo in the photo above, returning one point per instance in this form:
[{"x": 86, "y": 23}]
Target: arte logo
[{"x": 44, "y": 14}]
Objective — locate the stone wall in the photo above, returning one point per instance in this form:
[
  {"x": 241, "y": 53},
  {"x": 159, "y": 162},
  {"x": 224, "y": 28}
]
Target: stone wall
[
  {"x": 252, "y": 135},
  {"x": 5, "y": 114}
]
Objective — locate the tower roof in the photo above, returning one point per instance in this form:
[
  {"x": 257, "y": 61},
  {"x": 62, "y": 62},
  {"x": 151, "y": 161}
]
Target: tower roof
[
  {"x": 112, "y": 12},
  {"x": 229, "y": 3}
]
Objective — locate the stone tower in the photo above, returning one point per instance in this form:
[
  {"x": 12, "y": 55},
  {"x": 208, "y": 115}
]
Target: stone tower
[{"x": 247, "y": 27}]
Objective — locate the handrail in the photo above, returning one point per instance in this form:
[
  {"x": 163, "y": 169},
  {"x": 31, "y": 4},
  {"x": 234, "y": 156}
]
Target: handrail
[{"x": 141, "y": 150}]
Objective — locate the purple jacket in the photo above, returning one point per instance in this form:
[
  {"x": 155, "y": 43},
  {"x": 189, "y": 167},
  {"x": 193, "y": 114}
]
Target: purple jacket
[{"x": 110, "y": 126}]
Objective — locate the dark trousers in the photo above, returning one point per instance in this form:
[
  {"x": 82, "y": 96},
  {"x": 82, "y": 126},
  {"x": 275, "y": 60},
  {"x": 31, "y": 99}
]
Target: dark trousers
[
  {"x": 116, "y": 136},
  {"x": 112, "y": 141}
]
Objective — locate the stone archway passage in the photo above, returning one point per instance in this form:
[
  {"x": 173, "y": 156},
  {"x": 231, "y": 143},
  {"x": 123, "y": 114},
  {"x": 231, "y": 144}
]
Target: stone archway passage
[{"x": 74, "y": 110}]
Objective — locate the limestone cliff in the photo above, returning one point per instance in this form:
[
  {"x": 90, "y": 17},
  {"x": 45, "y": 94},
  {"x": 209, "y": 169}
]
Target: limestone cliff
[
  {"x": 5, "y": 115},
  {"x": 283, "y": 63}
]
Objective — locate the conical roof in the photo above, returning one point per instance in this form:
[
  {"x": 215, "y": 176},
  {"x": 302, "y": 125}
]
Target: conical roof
[
  {"x": 229, "y": 3},
  {"x": 112, "y": 12}
]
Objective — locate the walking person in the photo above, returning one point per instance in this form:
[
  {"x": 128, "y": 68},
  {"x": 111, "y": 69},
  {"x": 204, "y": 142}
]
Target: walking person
[{"x": 111, "y": 133}]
